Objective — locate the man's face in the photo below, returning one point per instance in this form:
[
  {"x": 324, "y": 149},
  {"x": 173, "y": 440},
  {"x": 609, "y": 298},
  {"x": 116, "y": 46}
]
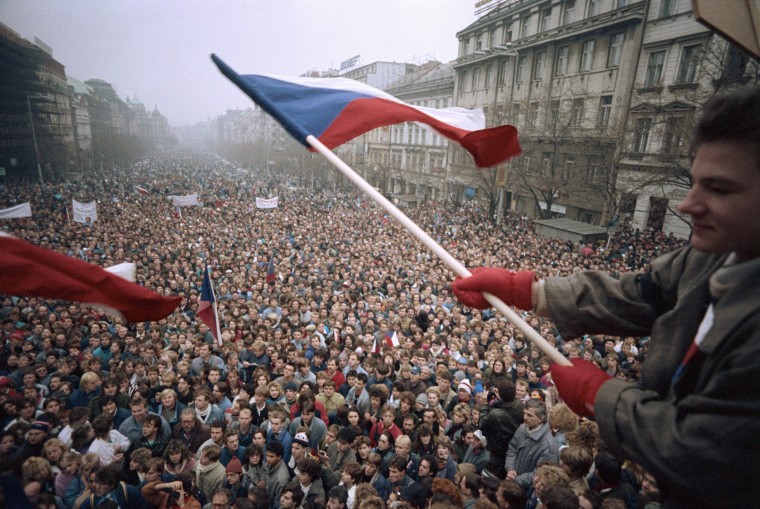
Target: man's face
[
  {"x": 532, "y": 421},
  {"x": 245, "y": 418},
  {"x": 102, "y": 489},
  {"x": 187, "y": 422},
  {"x": 723, "y": 199},
  {"x": 36, "y": 436},
  {"x": 276, "y": 425},
  {"x": 216, "y": 434},
  {"x": 139, "y": 412},
  {"x": 233, "y": 442},
  {"x": 395, "y": 475},
  {"x": 201, "y": 403},
  {"x": 213, "y": 376},
  {"x": 272, "y": 459},
  {"x": 219, "y": 501},
  {"x": 286, "y": 500},
  {"x": 148, "y": 429},
  {"x": 297, "y": 450}
]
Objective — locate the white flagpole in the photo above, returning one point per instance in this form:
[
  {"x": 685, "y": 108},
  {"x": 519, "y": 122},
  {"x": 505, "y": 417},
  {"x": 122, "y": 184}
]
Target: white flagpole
[{"x": 438, "y": 250}]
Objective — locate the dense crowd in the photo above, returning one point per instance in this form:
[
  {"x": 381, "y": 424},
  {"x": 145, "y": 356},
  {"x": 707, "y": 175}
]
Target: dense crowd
[{"x": 305, "y": 400}]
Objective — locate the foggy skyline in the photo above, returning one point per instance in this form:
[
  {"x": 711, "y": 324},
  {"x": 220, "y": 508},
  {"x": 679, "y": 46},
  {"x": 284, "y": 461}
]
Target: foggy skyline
[{"x": 159, "y": 51}]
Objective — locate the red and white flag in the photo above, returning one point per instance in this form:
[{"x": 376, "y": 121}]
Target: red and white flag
[
  {"x": 392, "y": 339},
  {"x": 141, "y": 190},
  {"x": 31, "y": 271},
  {"x": 375, "y": 347}
]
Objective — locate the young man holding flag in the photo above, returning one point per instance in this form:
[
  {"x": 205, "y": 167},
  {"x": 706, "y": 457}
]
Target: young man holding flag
[{"x": 694, "y": 420}]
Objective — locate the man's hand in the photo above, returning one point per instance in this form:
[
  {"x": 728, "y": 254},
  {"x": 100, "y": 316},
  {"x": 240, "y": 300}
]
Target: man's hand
[
  {"x": 578, "y": 385},
  {"x": 514, "y": 288}
]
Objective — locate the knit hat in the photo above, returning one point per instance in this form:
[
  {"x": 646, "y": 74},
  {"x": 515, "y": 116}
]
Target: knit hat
[
  {"x": 234, "y": 466},
  {"x": 41, "y": 425},
  {"x": 422, "y": 398},
  {"x": 478, "y": 387},
  {"x": 301, "y": 439},
  {"x": 346, "y": 434},
  {"x": 291, "y": 386},
  {"x": 465, "y": 385},
  {"x": 460, "y": 375}
]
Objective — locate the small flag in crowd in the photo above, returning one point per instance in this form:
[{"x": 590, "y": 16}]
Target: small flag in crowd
[
  {"x": 207, "y": 307},
  {"x": 141, "y": 190},
  {"x": 30, "y": 271},
  {"x": 270, "y": 272},
  {"x": 375, "y": 346},
  {"x": 392, "y": 339},
  {"x": 335, "y": 110}
]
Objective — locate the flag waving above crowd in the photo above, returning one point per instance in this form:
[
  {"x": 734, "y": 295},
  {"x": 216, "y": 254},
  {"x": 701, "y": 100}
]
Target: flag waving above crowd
[
  {"x": 336, "y": 110},
  {"x": 30, "y": 271}
]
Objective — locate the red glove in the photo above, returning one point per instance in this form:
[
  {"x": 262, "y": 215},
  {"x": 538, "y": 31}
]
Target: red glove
[
  {"x": 578, "y": 385},
  {"x": 514, "y": 288}
]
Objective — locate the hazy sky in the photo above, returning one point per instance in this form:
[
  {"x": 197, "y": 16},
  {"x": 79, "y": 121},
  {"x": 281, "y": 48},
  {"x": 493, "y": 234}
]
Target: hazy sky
[{"x": 159, "y": 49}]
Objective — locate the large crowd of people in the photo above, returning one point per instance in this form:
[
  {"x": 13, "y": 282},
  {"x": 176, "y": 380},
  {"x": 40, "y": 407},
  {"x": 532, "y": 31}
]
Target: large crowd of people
[{"x": 355, "y": 379}]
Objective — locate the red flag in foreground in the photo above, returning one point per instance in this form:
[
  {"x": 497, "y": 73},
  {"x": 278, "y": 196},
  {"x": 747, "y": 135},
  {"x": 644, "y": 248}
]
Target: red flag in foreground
[
  {"x": 207, "y": 307},
  {"x": 31, "y": 271}
]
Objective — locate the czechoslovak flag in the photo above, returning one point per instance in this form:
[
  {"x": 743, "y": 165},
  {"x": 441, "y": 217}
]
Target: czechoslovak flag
[
  {"x": 336, "y": 110},
  {"x": 207, "y": 307},
  {"x": 271, "y": 277},
  {"x": 392, "y": 340}
]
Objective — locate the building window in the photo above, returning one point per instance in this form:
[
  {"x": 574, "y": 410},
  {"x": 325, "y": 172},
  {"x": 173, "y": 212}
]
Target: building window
[
  {"x": 641, "y": 135},
  {"x": 492, "y": 38},
  {"x": 615, "y": 50},
  {"x": 605, "y": 108},
  {"x": 592, "y": 173},
  {"x": 525, "y": 30},
  {"x": 560, "y": 69},
  {"x": 546, "y": 164},
  {"x": 554, "y": 112},
  {"x": 533, "y": 114},
  {"x": 569, "y": 14},
  {"x": 516, "y": 112},
  {"x": 489, "y": 75},
  {"x": 569, "y": 168},
  {"x": 462, "y": 81},
  {"x": 587, "y": 56},
  {"x": 479, "y": 42},
  {"x": 687, "y": 68},
  {"x": 576, "y": 113},
  {"x": 736, "y": 64},
  {"x": 546, "y": 19},
  {"x": 506, "y": 35},
  {"x": 502, "y": 79},
  {"x": 667, "y": 8},
  {"x": 594, "y": 7},
  {"x": 475, "y": 79},
  {"x": 655, "y": 64},
  {"x": 619, "y": 4},
  {"x": 520, "y": 71},
  {"x": 539, "y": 66}
]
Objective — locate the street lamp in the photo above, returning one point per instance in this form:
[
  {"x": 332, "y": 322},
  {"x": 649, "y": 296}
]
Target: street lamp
[{"x": 34, "y": 136}]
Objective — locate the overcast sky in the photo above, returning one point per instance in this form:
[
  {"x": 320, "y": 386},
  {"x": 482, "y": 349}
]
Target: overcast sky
[{"x": 158, "y": 50}]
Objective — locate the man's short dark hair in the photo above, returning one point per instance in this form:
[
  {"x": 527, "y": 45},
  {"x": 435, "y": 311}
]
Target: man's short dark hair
[
  {"x": 506, "y": 389},
  {"x": 296, "y": 492},
  {"x": 398, "y": 463},
  {"x": 731, "y": 117},
  {"x": 275, "y": 447}
]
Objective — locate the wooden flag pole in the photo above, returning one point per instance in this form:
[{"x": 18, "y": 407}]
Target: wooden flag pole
[{"x": 439, "y": 251}]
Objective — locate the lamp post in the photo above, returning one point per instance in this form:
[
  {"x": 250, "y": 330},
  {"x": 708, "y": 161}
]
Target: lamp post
[{"x": 34, "y": 136}]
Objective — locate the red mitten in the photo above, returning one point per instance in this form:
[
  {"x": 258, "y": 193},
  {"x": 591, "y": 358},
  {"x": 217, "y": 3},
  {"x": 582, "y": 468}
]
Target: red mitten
[
  {"x": 514, "y": 288},
  {"x": 578, "y": 385}
]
